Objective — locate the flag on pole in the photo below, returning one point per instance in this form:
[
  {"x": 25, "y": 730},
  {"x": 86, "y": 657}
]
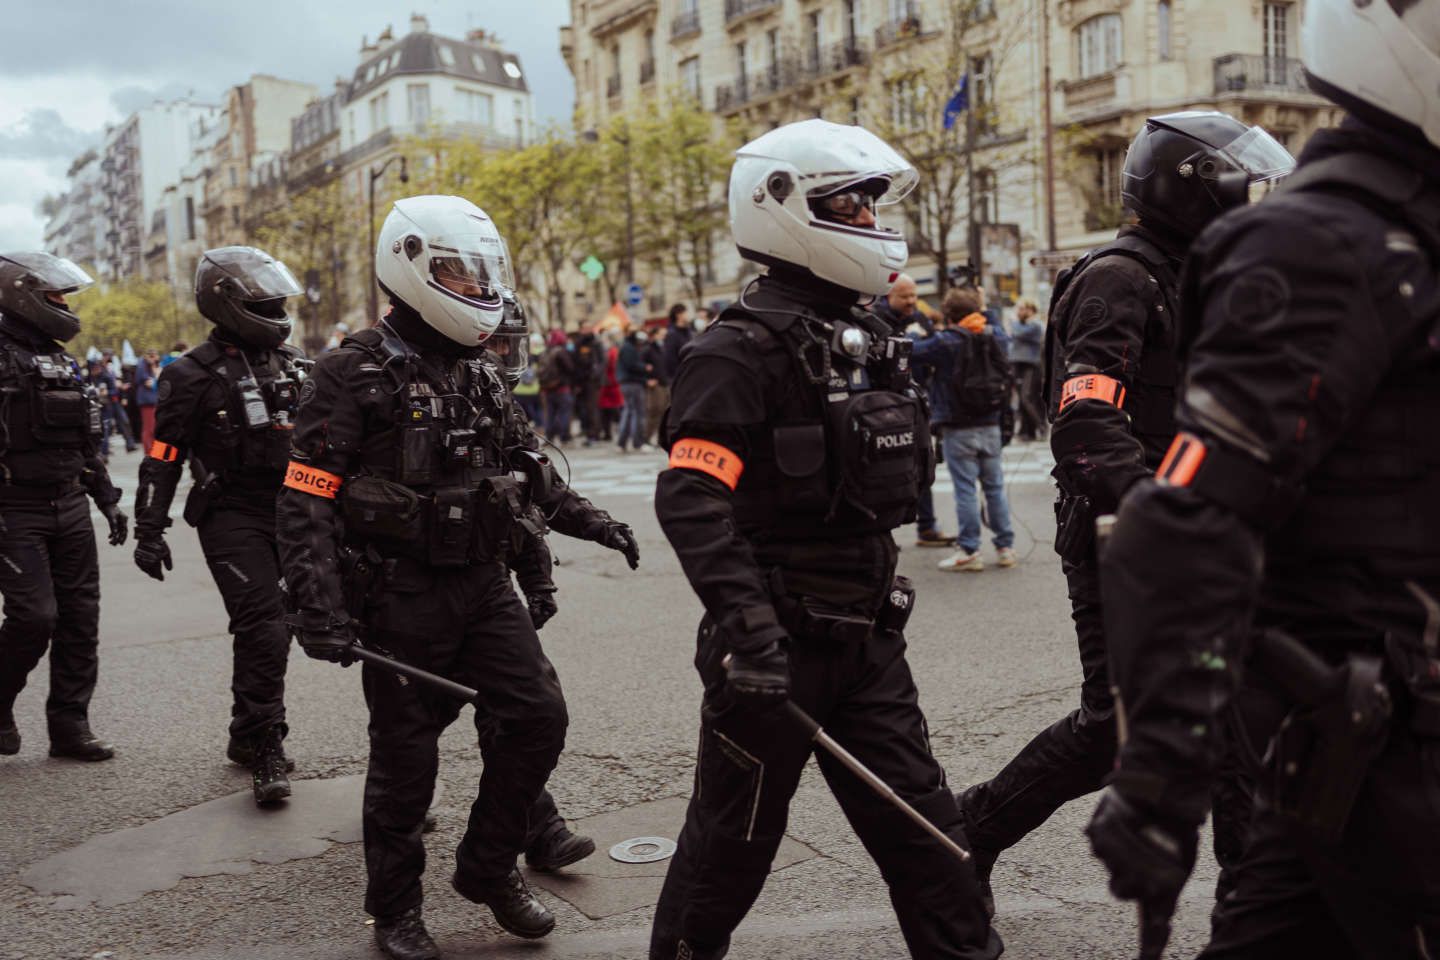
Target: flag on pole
[
  {"x": 959, "y": 103},
  {"x": 127, "y": 354}
]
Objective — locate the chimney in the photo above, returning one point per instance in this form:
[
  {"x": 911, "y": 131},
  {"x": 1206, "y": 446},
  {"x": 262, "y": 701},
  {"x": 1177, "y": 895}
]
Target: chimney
[
  {"x": 366, "y": 47},
  {"x": 386, "y": 38},
  {"x": 483, "y": 38},
  {"x": 419, "y": 23}
]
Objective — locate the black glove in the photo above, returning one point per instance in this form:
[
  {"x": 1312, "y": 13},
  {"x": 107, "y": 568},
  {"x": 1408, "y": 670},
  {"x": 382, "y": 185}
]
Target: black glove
[
  {"x": 760, "y": 678},
  {"x": 1149, "y": 861},
  {"x": 619, "y": 536},
  {"x": 152, "y": 553},
  {"x": 333, "y": 645},
  {"x": 119, "y": 523},
  {"x": 542, "y": 607}
]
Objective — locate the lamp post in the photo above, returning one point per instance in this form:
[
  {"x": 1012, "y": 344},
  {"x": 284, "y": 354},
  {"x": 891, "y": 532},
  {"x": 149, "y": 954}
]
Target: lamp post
[{"x": 375, "y": 174}]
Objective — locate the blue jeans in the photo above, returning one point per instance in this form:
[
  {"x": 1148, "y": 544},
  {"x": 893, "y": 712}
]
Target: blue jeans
[
  {"x": 632, "y": 418},
  {"x": 973, "y": 453},
  {"x": 557, "y": 421}
]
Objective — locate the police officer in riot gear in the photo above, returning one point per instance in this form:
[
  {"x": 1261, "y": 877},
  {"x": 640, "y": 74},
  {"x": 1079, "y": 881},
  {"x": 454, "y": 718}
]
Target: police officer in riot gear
[
  {"x": 797, "y": 445},
  {"x": 1296, "y": 519},
  {"x": 227, "y": 406},
  {"x": 412, "y": 482},
  {"x": 49, "y": 462},
  {"x": 1111, "y": 379}
]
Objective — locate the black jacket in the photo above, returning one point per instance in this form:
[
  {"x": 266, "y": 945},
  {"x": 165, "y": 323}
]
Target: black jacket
[{"x": 1304, "y": 491}]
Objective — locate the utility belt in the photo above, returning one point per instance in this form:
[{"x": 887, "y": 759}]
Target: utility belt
[
  {"x": 448, "y": 527},
  {"x": 39, "y": 493},
  {"x": 1338, "y": 724},
  {"x": 810, "y": 618}
]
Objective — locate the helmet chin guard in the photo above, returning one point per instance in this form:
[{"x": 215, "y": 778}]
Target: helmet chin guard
[{"x": 776, "y": 218}]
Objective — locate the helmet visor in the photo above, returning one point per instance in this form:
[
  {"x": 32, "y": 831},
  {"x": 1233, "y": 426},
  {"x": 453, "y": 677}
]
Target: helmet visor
[
  {"x": 511, "y": 350},
  {"x": 52, "y": 274},
  {"x": 475, "y": 268},
  {"x": 1259, "y": 155},
  {"x": 262, "y": 280}
]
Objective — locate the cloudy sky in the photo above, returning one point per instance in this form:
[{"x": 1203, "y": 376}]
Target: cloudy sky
[{"x": 71, "y": 66}]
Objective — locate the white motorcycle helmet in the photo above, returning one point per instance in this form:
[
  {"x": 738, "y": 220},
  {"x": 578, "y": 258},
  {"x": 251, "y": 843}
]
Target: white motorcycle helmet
[
  {"x": 1381, "y": 56},
  {"x": 782, "y": 190},
  {"x": 443, "y": 258}
]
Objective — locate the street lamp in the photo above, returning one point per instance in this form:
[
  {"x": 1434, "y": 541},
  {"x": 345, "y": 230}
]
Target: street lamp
[{"x": 375, "y": 174}]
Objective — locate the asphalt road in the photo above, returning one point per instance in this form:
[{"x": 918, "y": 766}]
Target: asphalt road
[{"x": 121, "y": 860}]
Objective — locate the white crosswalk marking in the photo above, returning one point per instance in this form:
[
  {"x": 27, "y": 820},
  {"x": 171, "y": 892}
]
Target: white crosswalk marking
[{"x": 609, "y": 473}]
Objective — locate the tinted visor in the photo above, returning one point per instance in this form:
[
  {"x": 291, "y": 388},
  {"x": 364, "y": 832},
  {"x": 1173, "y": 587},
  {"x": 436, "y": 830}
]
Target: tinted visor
[
  {"x": 1259, "y": 155},
  {"x": 476, "y": 268},
  {"x": 255, "y": 277},
  {"x": 51, "y": 274}
]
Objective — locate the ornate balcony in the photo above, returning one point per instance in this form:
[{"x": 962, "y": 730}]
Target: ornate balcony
[
  {"x": 1248, "y": 73},
  {"x": 833, "y": 59},
  {"x": 736, "y": 10},
  {"x": 893, "y": 32},
  {"x": 685, "y": 24}
]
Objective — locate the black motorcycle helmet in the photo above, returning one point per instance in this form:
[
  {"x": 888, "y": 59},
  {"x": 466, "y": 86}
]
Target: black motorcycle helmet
[
  {"x": 1185, "y": 169},
  {"x": 33, "y": 287},
  {"x": 510, "y": 343},
  {"x": 242, "y": 291}
]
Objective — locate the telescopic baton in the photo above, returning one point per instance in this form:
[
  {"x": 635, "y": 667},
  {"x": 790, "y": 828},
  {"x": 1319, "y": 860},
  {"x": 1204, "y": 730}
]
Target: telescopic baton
[
  {"x": 424, "y": 676},
  {"x": 846, "y": 758}
]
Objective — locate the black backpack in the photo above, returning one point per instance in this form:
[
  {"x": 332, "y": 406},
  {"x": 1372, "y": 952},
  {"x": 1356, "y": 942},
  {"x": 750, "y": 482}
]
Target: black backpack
[{"x": 980, "y": 385}]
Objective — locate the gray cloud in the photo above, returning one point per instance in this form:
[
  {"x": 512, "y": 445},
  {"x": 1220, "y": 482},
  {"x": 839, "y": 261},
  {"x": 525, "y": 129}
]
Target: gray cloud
[
  {"x": 170, "y": 45},
  {"x": 42, "y": 134}
]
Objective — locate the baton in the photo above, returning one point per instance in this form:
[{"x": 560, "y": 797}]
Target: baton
[
  {"x": 846, "y": 758},
  {"x": 424, "y": 676}
]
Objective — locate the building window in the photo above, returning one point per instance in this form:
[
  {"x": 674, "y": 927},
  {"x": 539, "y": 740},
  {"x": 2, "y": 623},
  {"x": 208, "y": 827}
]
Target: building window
[
  {"x": 476, "y": 107},
  {"x": 519, "y": 107},
  {"x": 982, "y": 93},
  {"x": 742, "y": 71},
  {"x": 1099, "y": 45},
  {"x": 1108, "y": 165},
  {"x": 855, "y": 111},
  {"x": 235, "y": 216},
  {"x": 906, "y": 99},
  {"x": 417, "y": 103},
  {"x": 379, "y": 113},
  {"x": 189, "y": 218},
  {"x": 690, "y": 76},
  {"x": 447, "y": 55},
  {"x": 234, "y": 177},
  {"x": 478, "y": 62},
  {"x": 1276, "y": 39},
  {"x": 1162, "y": 29}
]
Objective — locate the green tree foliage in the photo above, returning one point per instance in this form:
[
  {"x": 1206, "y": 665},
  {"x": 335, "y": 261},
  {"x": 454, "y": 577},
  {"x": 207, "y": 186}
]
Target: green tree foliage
[
  {"x": 145, "y": 312},
  {"x": 314, "y": 234}
]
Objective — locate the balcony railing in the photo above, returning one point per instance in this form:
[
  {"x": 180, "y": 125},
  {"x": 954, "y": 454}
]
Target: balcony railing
[
  {"x": 685, "y": 24},
  {"x": 833, "y": 59},
  {"x": 1253, "y": 73},
  {"x": 756, "y": 86},
  {"x": 902, "y": 28},
  {"x": 735, "y": 9},
  {"x": 647, "y": 71},
  {"x": 612, "y": 86}
]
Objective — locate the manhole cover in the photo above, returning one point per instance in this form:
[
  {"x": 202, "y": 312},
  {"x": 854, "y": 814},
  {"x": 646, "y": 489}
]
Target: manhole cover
[{"x": 642, "y": 850}]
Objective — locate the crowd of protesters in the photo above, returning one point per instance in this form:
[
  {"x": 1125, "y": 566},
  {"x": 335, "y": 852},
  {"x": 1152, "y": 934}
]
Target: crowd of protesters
[{"x": 128, "y": 392}]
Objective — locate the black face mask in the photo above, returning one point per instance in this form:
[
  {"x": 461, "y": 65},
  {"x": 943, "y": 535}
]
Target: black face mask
[{"x": 409, "y": 326}]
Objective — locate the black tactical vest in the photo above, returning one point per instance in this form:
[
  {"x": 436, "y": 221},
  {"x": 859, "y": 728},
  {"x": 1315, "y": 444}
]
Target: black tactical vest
[
  {"x": 847, "y": 448},
  {"x": 1150, "y": 399},
  {"x": 1378, "y": 491},
  {"x": 246, "y": 439},
  {"x": 49, "y": 416},
  {"x": 435, "y": 483}
]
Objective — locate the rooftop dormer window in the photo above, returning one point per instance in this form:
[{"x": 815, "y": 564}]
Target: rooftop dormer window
[{"x": 447, "y": 55}]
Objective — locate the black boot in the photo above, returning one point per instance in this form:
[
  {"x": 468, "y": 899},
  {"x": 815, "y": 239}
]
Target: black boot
[
  {"x": 267, "y": 776},
  {"x": 9, "y": 734},
  {"x": 558, "y": 848},
  {"x": 514, "y": 906},
  {"x": 76, "y": 742},
  {"x": 241, "y": 752},
  {"x": 404, "y": 937}
]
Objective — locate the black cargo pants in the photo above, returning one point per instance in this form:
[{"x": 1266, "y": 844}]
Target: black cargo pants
[
  {"x": 50, "y": 579},
  {"x": 238, "y": 538},
  {"x": 748, "y": 767},
  {"x": 1068, "y": 759},
  {"x": 466, "y": 624}
]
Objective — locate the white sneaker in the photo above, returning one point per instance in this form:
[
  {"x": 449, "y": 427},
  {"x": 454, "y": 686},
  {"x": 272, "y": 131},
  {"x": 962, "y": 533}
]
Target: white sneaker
[
  {"x": 1006, "y": 557},
  {"x": 962, "y": 561}
]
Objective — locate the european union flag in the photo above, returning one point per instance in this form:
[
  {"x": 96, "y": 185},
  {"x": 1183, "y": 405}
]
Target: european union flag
[{"x": 959, "y": 103}]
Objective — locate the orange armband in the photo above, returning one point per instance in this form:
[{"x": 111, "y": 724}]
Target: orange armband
[
  {"x": 163, "y": 452},
  {"x": 1092, "y": 386},
  {"x": 1184, "y": 457},
  {"x": 707, "y": 457},
  {"x": 307, "y": 479}
]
